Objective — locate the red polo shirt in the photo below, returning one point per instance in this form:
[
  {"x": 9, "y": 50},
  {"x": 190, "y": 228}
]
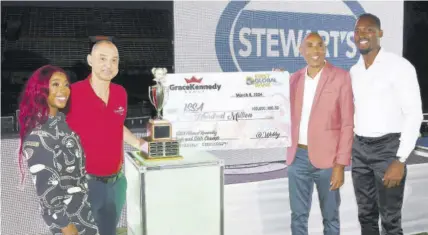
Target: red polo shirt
[{"x": 99, "y": 126}]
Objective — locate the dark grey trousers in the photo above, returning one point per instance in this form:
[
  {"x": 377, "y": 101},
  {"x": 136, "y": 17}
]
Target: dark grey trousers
[
  {"x": 370, "y": 159},
  {"x": 107, "y": 201}
]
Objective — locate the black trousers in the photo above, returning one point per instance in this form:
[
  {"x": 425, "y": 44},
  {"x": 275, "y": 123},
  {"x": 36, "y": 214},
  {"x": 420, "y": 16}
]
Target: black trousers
[{"x": 370, "y": 160}]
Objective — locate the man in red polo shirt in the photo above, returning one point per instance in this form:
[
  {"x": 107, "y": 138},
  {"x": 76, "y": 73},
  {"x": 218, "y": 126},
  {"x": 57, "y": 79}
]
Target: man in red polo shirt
[{"x": 97, "y": 114}]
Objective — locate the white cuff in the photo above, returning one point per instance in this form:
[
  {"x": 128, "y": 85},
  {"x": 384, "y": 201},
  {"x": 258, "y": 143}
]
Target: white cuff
[{"x": 402, "y": 159}]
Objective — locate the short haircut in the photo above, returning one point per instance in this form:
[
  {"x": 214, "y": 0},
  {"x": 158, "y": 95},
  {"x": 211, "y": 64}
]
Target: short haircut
[
  {"x": 313, "y": 33},
  {"x": 372, "y": 17},
  {"x": 93, "y": 45}
]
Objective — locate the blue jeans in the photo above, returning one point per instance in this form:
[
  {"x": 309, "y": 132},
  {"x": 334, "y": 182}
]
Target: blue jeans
[
  {"x": 107, "y": 201},
  {"x": 301, "y": 178}
]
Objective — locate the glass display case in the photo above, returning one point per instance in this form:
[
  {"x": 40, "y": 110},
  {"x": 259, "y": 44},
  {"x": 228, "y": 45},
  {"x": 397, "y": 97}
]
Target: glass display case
[{"x": 179, "y": 196}]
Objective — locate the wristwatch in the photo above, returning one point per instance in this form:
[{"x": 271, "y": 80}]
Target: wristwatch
[{"x": 402, "y": 159}]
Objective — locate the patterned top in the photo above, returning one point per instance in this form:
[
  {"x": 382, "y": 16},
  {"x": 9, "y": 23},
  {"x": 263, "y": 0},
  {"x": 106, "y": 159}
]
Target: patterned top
[{"x": 56, "y": 162}]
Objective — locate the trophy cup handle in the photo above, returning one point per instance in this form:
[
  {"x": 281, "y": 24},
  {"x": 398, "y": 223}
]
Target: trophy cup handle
[
  {"x": 150, "y": 96},
  {"x": 165, "y": 93},
  {"x": 153, "y": 101}
]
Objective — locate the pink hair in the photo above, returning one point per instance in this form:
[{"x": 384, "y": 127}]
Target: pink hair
[{"x": 33, "y": 106}]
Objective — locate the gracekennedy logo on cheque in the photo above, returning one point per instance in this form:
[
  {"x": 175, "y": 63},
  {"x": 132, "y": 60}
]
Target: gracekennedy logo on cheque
[
  {"x": 194, "y": 84},
  {"x": 251, "y": 38}
]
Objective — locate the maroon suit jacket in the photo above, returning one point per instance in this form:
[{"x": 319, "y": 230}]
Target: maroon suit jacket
[{"x": 331, "y": 123}]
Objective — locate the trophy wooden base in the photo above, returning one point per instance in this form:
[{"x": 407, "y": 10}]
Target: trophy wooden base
[
  {"x": 160, "y": 130},
  {"x": 152, "y": 158},
  {"x": 160, "y": 144}
]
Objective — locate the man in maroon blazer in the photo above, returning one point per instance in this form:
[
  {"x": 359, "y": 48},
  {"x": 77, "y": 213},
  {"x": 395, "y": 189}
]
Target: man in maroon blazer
[{"x": 322, "y": 119}]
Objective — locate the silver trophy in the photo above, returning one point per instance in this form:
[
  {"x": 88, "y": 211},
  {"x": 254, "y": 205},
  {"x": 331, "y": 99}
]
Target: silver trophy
[
  {"x": 158, "y": 94},
  {"x": 161, "y": 144}
]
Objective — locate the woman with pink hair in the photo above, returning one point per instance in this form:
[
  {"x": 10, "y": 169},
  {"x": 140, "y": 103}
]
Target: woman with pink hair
[{"x": 54, "y": 154}]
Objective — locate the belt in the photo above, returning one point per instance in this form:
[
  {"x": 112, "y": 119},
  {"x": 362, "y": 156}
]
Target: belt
[
  {"x": 105, "y": 179},
  {"x": 302, "y": 146},
  {"x": 377, "y": 140}
]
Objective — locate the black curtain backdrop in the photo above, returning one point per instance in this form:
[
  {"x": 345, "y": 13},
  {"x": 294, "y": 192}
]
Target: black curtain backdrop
[{"x": 415, "y": 42}]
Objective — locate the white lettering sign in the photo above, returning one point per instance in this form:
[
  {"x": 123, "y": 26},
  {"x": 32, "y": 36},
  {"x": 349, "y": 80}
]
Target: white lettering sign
[{"x": 288, "y": 42}]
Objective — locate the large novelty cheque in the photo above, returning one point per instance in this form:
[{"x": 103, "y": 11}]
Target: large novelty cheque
[{"x": 222, "y": 111}]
